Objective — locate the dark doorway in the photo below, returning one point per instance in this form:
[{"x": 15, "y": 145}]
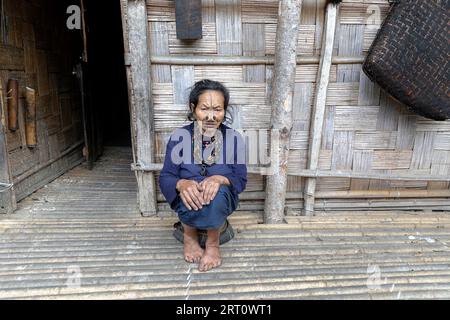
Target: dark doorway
[{"x": 107, "y": 84}]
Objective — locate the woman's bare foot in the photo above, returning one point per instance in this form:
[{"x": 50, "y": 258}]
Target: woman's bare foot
[
  {"x": 192, "y": 250},
  {"x": 211, "y": 256}
]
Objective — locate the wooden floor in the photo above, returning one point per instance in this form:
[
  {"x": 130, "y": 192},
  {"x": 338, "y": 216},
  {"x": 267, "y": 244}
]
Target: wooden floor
[{"x": 81, "y": 237}]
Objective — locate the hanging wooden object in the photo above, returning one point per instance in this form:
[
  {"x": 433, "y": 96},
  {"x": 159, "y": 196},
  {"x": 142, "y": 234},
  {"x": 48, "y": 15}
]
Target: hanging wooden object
[
  {"x": 188, "y": 15},
  {"x": 12, "y": 98},
  {"x": 30, "y": 118}
]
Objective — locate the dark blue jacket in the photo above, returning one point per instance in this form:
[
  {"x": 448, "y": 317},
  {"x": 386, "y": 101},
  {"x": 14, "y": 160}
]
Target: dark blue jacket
[{"x": 234, "y": 168}]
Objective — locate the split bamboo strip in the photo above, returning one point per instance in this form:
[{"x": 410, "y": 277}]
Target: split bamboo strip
[
  {"x": 282, "y": 112},
  {"x": 318, "y": 112}
]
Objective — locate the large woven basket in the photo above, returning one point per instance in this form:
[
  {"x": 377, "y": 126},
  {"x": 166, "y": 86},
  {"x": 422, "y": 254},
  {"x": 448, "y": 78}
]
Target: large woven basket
[{"x": 410, "y": 56}]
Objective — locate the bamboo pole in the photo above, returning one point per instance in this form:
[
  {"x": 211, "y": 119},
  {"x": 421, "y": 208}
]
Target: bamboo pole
[
  {"x": 281, "y": 101},
  {"x": 352, "y": 194},
  {"x": 30, "y": 118},
  {"x": 12, "y": 98},
  {"x": 138, "y": 66},
  {"x": 7, "y": 193},
  {"x": 318, "y": 112},
  {"x": 239, "y": 60},
  {"x": 320, "y": 173}
]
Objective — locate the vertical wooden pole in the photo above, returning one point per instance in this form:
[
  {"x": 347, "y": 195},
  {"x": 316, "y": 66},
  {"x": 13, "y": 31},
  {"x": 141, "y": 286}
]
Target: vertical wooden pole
[
  {"x": 138, "y": 62},
  {"x": 281, "y": 101},
  {"x": 83, "y": 20},
  {"x": 318, "y": 112},
  {"x": 7, "y": 195}
]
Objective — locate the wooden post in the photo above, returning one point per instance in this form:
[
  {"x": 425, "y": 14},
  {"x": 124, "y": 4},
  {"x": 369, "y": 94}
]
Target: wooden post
[
  {"x": 138, "y": 65},
  {"x": 7, "y": 195},
  {"x": 281, "y": 101},
  {"x": 318, "y": 112}
]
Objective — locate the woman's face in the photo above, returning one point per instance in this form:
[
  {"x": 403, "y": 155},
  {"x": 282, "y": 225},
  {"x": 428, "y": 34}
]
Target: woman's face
[{"x": 210, "y": 110}]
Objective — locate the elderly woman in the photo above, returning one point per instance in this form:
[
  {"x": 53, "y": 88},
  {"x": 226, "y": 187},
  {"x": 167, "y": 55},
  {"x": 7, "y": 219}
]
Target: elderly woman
[{"x": 204, "y": 171}]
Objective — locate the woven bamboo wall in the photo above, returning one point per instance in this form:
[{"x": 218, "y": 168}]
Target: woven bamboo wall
[
  {"x": 34, "y": 50},
  {"x": 365, "y": 130}
]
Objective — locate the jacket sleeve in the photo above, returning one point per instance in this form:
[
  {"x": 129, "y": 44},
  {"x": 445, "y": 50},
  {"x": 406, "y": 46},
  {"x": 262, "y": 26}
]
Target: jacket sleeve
[
  {"x": 169, "y": 175},
  {"x": 238, "y": 177}
]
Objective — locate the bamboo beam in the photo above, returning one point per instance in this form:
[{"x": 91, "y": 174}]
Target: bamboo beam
[
  {"x": 376, "y": 176},
  {"x": 352, "y": 194},
  {"x": 281, "y": 101},
  {"x": 7, "y": 193},
  {"x": 138, "y": 62},
  {"x": 240, "y": 60},
  {"x": 321, "y": 173},
  {"x": 318, "y": 111}
]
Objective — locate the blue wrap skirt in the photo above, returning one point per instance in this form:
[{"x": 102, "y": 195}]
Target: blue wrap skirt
[{"x": 212, "y": 215}]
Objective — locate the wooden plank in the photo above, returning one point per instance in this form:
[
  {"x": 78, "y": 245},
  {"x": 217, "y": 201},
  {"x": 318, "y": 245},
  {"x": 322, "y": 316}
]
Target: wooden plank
[
  {"x": 7, "y": 191},
  {"x": 139, "y": 59},
  {"x": 318, "y": 111},
  {"x": 188, "y": 15}
]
